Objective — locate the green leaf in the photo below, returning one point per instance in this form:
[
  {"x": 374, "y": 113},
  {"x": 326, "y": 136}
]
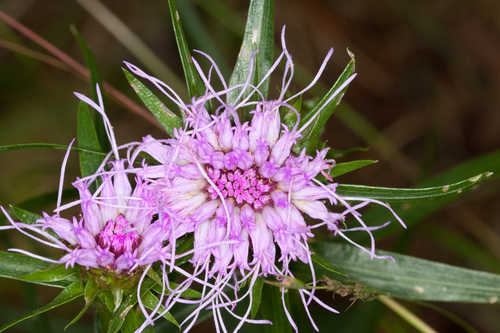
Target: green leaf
[
  {"x": 91, "y": 290},
  {"x": 70, "y": 293},
  {"x": 89, "y": 61},
  {"x": 194, "y": 83},
  {"x": 14, "y": 265},
  {"x": 409, "y": 194},
  {"x": 165, "y": 117},
  {"x": 126, "y": 306},
  {"x": 311, "y": 135},
  {"x": 28, "y": 217},
  {"x": 22, "y": 146},
  {"x": 346, "y": 167},
  {"x": 106, "y": 298},
  {"x": 259, "y": 35},
  {"x": 89, "y": 294},
  {"x": 24, "y": 215},
  {"x": 409, "y": 277},
  {"x": 151, "y": 301},
  {"x": 256, "y": 296},
  {"x": 188, "y": 293},
  {"x": 95, "y": 79},
  {"x": 54, "y": 273},
  {"x": 415, "y": 211},
  {"x": 133, "y": 321},
  {"x": 271, "y": 308},
  {"x": 117, "y": 298},
  {"x": 87, "y": 138}
]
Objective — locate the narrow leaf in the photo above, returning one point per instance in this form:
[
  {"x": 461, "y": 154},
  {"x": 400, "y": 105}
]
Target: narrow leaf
[
  {"x": 95, "y": 79},
  {"x": 133, "y": 321},
  {"x": 408, "y": 194},
  {"x": 259, "y": 35},
  {"x": 70, "y": 293},
  {"x": 346, "y": 167},
  {"x": 256, "y": 296},
  {"x": 117, "y": 298},
  {"x": 188, "y": 293},
  {"x": 411, "y": 278},
  {"x": 311, "y": 135},
  {"x": 22, "y": 146},
  {"x": 126, "y": 306},
  {"x": 165, "y": 117},
  {"x": 415, "y": 211},
  {"x": 14, "y": 265},
  {"x": 151, "y": 301},
  {"x": 88, "y": 139},
  {"x": 54, "y": 273},
  {"x": 194, "y": 83},
  {"x": 89, "y": 294},
  {"x": 28, "y": 217},
  {"x": 24, "y": 215},
  {"x": 272, "y": 309}
]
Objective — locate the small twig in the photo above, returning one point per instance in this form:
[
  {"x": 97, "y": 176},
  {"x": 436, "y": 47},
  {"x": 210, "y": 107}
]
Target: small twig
[
  {"x": 77, "y": 67},
  {"x": 33, "y": 54}
]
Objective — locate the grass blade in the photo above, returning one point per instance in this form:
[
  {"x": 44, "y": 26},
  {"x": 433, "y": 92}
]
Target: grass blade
[
  {"x": 194, "y": 83},
  {"x": 165, "y": 117},
  {"x": 259, "y": 35}
]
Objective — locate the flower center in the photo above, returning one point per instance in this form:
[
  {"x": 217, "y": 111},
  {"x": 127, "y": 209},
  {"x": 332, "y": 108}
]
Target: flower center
[
  {"x": 118, "y": 237},
  {"x": 244, "y": 186}
]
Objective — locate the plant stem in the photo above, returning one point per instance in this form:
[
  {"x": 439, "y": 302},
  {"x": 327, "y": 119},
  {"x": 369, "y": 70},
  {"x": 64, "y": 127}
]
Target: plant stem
[{"x": 406, "y": 314}]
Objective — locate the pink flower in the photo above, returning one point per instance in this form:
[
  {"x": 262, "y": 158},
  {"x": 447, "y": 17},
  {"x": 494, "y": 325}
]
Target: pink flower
[
  {"x": 240, "y": 190},
  {"x": 119, "y": 230}
]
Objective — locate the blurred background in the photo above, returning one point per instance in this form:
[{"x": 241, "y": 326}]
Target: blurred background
[{"x": 425, "y": 99}]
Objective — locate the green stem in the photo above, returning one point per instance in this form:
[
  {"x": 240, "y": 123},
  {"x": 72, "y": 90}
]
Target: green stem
[{"x": 406, "y": 314}]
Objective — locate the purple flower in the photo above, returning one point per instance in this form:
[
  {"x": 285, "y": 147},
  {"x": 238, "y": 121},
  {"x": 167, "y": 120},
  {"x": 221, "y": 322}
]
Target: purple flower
[
  {"x": 242, "y": 193},
  {"x": 120, "y": 229}
]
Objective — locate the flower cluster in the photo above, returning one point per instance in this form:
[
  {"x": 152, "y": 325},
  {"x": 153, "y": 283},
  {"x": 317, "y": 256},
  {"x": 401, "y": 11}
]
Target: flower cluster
[{"x": 229, "y": 179}]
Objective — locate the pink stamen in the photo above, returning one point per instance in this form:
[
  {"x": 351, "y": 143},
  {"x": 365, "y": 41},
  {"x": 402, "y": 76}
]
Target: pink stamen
[
  {"x": 244, "y": 186},
  {"x": 118, "y": 237}
]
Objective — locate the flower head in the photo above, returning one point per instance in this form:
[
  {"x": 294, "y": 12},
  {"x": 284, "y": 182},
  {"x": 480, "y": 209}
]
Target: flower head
[
  {"x": 237, "y": 186},
  {"x": 120, "y": 230}
]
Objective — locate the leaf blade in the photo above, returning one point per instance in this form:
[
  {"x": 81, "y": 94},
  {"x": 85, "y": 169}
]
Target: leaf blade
[
  {"x": 311, "y": 135},
  {"x": 346, "y": 167},
  {"x": 258, "y": 35},
  {"x": 87, "y": 137},
  {"x": 194, "y": 83},
  {"x": 409, "y": 194},
  {"x": 256, "y": 296},
  {"x": 165, "y": 117},
  {"x": 410, "y": 277},
  {"x": 415, "y": 211},
  {"x": 70, "y": 293},
  {"x": 21, "y": 146},
  {"x": 14, "y": 265},
  {"x": 95, "y": 79}
]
